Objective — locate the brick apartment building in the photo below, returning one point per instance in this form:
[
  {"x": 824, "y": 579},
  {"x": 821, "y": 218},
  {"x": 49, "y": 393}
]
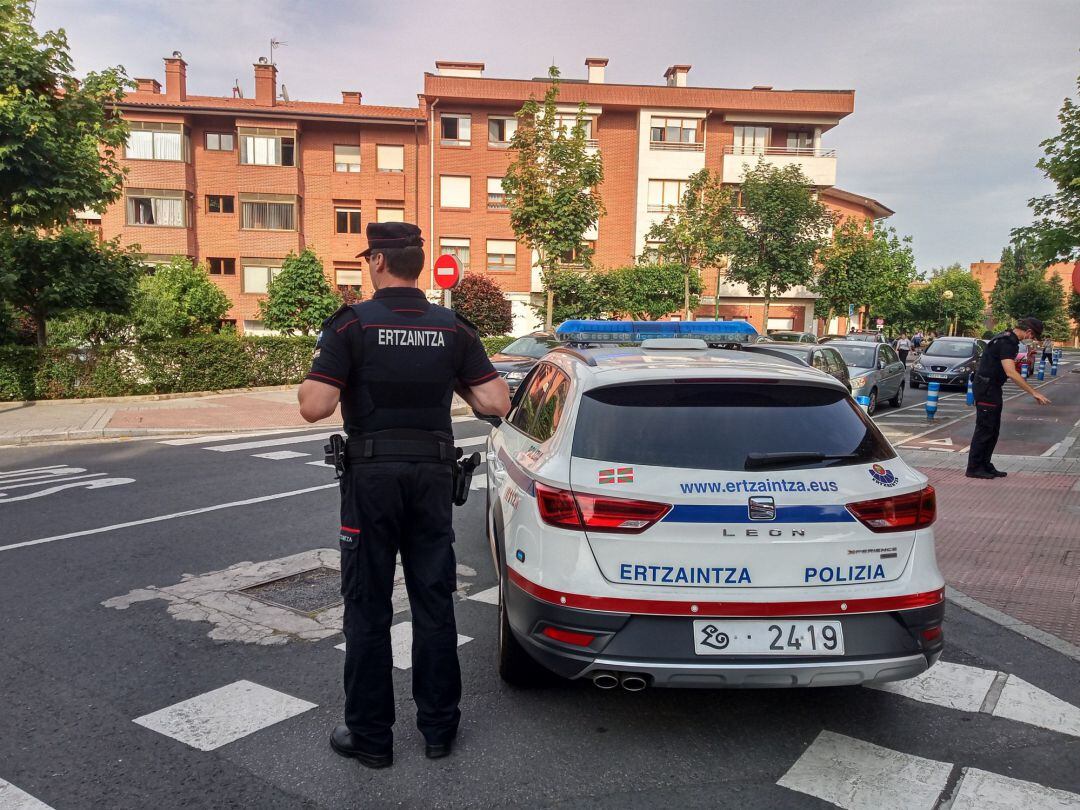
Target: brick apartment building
[{"x": 237, "y": 183}]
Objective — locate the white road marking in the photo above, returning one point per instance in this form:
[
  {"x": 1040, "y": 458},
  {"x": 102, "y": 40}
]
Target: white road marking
[
  {"x": 490, "y": 596},
  {"x": 213, "y": 719},
  {"x": 319, "y": 464},
  {"x": 954, "y": 686},
  {"x": 982, "y": 790},
  {"x": 12, "y": 798},
  {"x": 220, "y": 437},
  {"x": 401, "y": 644},
  {"x": 5, "y": 486},
  {"x": 479, "y": 482},
  {"x": 475, "y": 441},
  {"x": 1022, "y": 701},
  {"x": 159, "y": 518},
  {"x": 279, "y": 455},
  {"x": 98, "y": 483},
  {"x": 1052, "y": 450},
  {"x": 32, "y": 471},
  {"x": 232, "y": 448},
  {"x": 858, "y": 775}
]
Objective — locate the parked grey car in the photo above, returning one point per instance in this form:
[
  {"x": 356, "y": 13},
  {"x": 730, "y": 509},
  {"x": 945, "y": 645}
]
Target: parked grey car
[
  {"x": 948, "y": 360},
  {"x": 875, "y": 369},
  {"x": 787, "y": 336},
  {"x": 823, "y": 358}
]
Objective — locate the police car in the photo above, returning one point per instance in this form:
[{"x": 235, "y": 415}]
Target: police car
[{"x": 668, "y": 514}]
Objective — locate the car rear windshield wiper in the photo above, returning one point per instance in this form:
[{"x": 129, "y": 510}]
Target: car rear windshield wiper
[{"x": 761, "y": 461}]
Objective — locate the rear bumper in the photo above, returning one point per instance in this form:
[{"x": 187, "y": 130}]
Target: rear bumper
[{"x": 880, "y": 647}]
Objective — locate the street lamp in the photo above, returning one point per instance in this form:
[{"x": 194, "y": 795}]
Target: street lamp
[{"x": 948, "y": 296}]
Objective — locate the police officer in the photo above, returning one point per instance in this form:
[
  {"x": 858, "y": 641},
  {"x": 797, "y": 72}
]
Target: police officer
[
  {"x": 394, "y": 362},
  {"x": 998, "y": 363}
]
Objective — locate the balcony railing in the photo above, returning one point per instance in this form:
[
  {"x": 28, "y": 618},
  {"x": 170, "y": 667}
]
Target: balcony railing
[
  {"x": 592, "y": 142},
  {"x": 792, "y": 151},
  {"x": 676, "y": 146},
  {"x": 496, "y": 202}
]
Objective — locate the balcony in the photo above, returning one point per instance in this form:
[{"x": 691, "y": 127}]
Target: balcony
[
  {"x": 676, "y": 146},
  {"x": 817, "y": 164},
  {"x": 497, "y": 202}
]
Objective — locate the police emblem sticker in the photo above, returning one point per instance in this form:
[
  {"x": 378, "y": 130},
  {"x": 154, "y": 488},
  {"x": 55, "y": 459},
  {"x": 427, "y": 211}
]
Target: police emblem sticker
[{"x": 883, "y": 476}]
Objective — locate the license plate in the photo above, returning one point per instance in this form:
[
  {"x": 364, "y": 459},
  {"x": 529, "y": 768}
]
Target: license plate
[
  {"x": 939, "y": 376},
  {"x": 790, "y": 638}
]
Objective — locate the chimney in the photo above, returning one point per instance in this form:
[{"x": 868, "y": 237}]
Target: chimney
[
  {"x": 468, "y": 70},
  {"x": 175, "y": 77},
  {"x": 148, "y": 86},
  {"x": 596, "y": 65},
  {"x": 265, "y": 82},
  {"x": 676, "y": 75},
  {"x": 352, "y": 97}
]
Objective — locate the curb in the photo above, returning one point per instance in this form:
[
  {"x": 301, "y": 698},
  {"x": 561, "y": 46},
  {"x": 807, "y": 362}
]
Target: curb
[
  {"x": 992, "y": 614},
  {"x": 147, "y": 397}
]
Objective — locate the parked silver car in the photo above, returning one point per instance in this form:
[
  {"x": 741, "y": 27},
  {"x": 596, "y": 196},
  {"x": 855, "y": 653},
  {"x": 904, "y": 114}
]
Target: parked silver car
[{"x": 875, "y": 369}]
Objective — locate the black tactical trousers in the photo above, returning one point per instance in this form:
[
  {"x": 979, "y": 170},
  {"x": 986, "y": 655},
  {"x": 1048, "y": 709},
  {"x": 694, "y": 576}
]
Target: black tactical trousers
[
  {"x": 387, "y": 507},
  {"x": 988, "y": 403}
]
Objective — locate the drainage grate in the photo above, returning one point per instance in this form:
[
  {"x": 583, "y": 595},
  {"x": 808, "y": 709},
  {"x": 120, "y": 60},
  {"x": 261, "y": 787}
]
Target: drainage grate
[{"x": 309, "y": 592}]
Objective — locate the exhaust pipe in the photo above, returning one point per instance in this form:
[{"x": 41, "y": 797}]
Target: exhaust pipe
[
  {"x": 605, "y": 680},
  {"x": 633, "y": 683}
]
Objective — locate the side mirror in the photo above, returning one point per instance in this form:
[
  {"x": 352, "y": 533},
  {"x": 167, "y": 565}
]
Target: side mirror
[{"x": 494, "y": 421}]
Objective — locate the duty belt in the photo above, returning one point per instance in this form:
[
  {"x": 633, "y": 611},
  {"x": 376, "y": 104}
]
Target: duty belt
[{"x": 409, "y": 445}]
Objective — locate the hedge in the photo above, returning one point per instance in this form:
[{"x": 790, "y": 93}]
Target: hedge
[
  {"x": 209, "y": 363},
  {"x": 496, "y": 343}
]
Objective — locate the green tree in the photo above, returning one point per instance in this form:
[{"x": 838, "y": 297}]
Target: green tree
[
  {"x": 552, "y": 186},
  {"x": 1042, "y": 297},
  {"x": 692, "y": 235},
  {"x": 577, "y": 293},
  {"x": 647, "y": 291},
  {"x": 58, "y": 136},
  {"x": 865, "y": 264},
  {"x": 299, "y": 298},
  {"x": 1055, "y": 233},
  {"x": 773, "y": 239},
  {"x": 950, "y": 303},
  {"x": 480, "y": 299},
  {"x": 179, "y": 300},
  {"x": 1016, "y": 266},
  {"x": 44, "y": 275},
  {"x": 91, "y": 326}
]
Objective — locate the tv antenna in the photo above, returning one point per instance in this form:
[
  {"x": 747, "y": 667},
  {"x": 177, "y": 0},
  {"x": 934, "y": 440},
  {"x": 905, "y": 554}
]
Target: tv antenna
[{"x": 275, "y": 43}]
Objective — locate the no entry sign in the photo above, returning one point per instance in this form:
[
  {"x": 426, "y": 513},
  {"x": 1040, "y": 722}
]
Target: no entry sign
[{"x": 447, "y": 271}]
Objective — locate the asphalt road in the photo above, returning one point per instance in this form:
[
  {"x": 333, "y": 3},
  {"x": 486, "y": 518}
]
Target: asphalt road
[{"x": 77, "y": 674}]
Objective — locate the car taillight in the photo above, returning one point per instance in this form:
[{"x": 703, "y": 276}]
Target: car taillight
[
  {"x": 564, "y": 509},
  {"x": 898, "y": 513}
]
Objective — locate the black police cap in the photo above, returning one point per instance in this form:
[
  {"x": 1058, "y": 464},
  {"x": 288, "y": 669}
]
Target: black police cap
[
  {"x": 1032, "y": 323},
  {"x": 391, "y": 235}
]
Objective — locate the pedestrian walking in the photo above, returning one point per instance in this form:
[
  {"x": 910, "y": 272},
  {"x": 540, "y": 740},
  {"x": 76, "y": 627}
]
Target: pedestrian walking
[
  {"x": 903, "y": 346},
  {"x": 998, "y": 363},
  {"x": 394, "y": 363},
  {"x": 1048, "y": 350},
  {"x": 917, "y": 340}
]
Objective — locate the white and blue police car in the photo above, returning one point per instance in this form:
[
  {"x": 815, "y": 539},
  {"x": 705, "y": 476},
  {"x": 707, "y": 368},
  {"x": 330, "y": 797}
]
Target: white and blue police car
[{"x": 670, "y": 514}]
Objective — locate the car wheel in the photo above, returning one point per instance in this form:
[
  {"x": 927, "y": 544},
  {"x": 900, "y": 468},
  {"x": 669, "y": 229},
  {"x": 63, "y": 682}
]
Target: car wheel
[
  {"x": 914, "y": 384},
  {"x": 516, "y": 666},
  {"x": 871, "y": 408},
  {"x": 895, "y": 401}
]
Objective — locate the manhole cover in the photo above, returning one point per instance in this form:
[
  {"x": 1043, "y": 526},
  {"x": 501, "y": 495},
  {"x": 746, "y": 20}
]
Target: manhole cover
[{"x": 309, "y": 592}]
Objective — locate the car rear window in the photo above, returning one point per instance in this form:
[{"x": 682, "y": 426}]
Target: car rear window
[
  {"x": 950, "y": 348},
  {"x": 858, "y": 356},
  {"x": 715, "y": 426}
]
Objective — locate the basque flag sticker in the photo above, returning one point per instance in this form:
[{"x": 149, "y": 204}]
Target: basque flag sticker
[{"x": 618, "y": 475}]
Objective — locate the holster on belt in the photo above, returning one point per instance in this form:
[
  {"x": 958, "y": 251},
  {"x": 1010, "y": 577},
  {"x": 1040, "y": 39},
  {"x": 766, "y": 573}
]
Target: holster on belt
[{"x": 412, "y": 445}]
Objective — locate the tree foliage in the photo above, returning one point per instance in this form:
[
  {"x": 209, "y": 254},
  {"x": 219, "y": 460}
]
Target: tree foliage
[
  {"x": 299, "y": 298},
  {"x": 1042, "y": 297},
  {"x": 692, "y": 235},
  {"x": 552, "y": 185},
  {"x": 648, "y": 291},
  {"x": 577, "y": 293},
  {"x": 1017, "y": 266},
  {"x": 773, "y": 239},
  {"x": 482, "y": 301},
  {"x": 179, "y": 300},
  {"x": 58, "y": 136},
  {"x": 47, "y": 274},
  {"x": 1055, "y": 233},
  {"x": 932, "y": 308}
]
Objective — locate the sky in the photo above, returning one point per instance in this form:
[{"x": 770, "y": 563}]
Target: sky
[{"x": 952, "y": 97}]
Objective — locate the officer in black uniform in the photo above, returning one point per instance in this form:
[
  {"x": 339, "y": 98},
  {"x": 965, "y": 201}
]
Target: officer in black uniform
[
  {"x": 394, "y": 362},
  {"x": 998, "y": 363}
]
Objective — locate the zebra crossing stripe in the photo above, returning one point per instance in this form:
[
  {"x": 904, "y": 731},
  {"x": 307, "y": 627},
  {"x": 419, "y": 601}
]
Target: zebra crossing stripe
[
  {"x": 401, "y": 637},
  {"x": 983, "y": 790},
  {"x": 12, "y": 798}
]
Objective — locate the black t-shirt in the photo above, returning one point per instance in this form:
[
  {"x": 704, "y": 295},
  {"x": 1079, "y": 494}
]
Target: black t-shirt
[
  {"x": 1001, "y": 347},
  {"x": 397, "y": 359}
]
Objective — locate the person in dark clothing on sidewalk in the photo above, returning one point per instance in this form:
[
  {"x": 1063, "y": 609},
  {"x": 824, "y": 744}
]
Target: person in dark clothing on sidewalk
[{"x": 997, "y": 364}]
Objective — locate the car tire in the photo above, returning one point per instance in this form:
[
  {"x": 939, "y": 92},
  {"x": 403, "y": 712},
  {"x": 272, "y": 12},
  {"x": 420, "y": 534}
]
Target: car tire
[
  {"x": 914, "y": 384},
  {"x": 895, "y": 401},
  {"x": 871, "y": 408},
  {"x": 516, "y": 666}
]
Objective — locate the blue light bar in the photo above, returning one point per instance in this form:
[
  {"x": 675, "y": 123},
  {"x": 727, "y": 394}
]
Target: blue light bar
[{"x": 637, "y": 331}]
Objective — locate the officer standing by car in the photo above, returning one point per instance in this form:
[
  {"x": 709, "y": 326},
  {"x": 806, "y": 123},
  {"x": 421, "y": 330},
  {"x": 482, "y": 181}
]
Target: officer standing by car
[
  {"x": 998, "y": 363},
  {"x": 394, "y": 362}
]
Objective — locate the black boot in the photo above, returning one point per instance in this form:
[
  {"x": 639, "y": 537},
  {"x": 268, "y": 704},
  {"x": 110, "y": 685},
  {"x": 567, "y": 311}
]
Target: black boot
[{"x": 344, "y": 743}]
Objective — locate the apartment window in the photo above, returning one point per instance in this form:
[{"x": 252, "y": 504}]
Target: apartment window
[
  {"x": 257, "y": 275},
  {"x": 501, "y": 255},
  {"x": 221, "y": 267},
  {"x": 220, "y": 141},
  {"x": 456, "y": 130},
  {"x": 346, "y": 158},
  {"x": 162, "y": 208},
  {"x": 348, "y": 220},
  {"x": 349, "y": 276},
  {"x": 496, "y": 197},
  {"x": 501, "y": 130},
  {"x": 394, "y": 214},
  {"x": 219, "y": 204},
  {"x": 458, "y": 248},
  {"x": 800, "y": 142},
  {"x": 666, "y": 194},
  {"x": 750, "y": 140},
  {"x": 576, "y": 257},
  {"x": 260, "y": 146},
  {"x": 673, "y": 130},
  {"x": 565, "y": 122},
  {"x": 454, "y": 192},
  {"x": 390, "y": 158},
  {"x": 156, "y": 141},
  {"x": 267, "y": 212}
]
